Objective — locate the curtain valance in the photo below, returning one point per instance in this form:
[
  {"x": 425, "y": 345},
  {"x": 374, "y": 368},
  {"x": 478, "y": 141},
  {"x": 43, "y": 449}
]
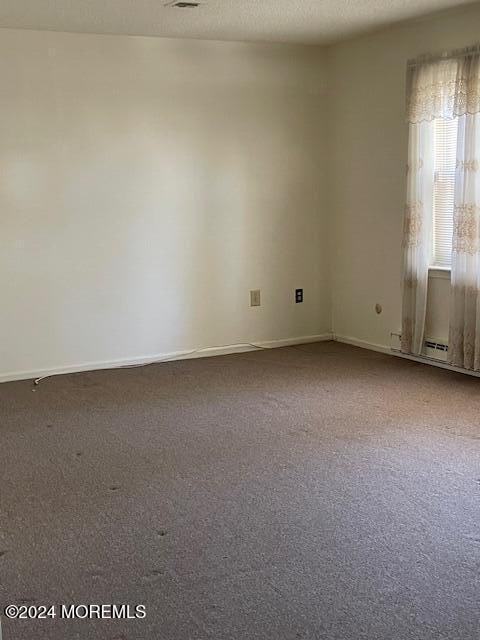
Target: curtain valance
[{"x": 448, "y": 87}]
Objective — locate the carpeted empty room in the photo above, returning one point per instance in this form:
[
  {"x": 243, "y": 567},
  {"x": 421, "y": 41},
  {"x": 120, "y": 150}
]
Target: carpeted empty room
[
  {"x": 320, "y": 491},
  {"x": 239, "y": 320}
]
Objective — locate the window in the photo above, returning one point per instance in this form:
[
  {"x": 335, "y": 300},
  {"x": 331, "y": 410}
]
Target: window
[{"x": 445, "y": 137}]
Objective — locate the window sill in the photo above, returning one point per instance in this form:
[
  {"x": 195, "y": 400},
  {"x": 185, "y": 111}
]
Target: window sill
[{"x": 439, "y": 272}]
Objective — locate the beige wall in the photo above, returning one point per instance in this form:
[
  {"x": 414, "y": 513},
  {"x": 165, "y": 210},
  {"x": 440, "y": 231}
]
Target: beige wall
[
  {"x": 146, "y": 186},
  {"x": 367, "y": 177}
]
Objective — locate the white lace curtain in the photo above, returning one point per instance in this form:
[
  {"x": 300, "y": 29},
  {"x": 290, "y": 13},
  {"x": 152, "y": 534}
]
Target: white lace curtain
[{"x": 446, "y": 88}]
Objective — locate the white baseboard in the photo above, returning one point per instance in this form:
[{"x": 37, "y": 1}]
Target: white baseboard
[
  {"x": 363, "y": 344},
  {"x": 394, "y": 352},
  {"x": 201, "y": 352},
  {"x": 207, "y": 352},
  {"x": 291, "y": 342}
]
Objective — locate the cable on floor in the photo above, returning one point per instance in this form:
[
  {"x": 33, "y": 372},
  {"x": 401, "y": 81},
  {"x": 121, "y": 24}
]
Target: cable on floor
[{"x": 181, "y": 356}]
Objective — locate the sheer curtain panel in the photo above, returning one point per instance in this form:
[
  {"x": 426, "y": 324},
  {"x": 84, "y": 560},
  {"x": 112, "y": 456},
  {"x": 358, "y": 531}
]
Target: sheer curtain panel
[
  {"x": 445, "y": 88},
  {"x": 464, "y": 338}
]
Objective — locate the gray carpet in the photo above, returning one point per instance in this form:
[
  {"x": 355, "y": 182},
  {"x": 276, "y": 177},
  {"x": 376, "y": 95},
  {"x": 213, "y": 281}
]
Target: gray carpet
[{"x": 319, "y": 491}]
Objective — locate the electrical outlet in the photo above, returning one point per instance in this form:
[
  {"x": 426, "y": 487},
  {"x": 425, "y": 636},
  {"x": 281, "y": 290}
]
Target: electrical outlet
[
  {"x": 255, "y": 298},
  {"x": 298, "y": 295}
]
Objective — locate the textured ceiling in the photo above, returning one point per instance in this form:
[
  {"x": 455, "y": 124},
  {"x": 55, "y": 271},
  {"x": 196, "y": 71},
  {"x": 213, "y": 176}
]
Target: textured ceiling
[{"x": 303, "y": 21}]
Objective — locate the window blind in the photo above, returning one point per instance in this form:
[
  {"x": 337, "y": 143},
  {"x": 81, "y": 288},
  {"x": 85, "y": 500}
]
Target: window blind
[{"x": 444, "y": 190}]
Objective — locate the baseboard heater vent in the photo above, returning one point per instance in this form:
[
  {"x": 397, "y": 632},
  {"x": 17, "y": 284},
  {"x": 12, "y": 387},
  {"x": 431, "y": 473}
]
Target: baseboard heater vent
[
  {"x": 436, "y": 345},
  {"x": 437, "y": 350}
]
